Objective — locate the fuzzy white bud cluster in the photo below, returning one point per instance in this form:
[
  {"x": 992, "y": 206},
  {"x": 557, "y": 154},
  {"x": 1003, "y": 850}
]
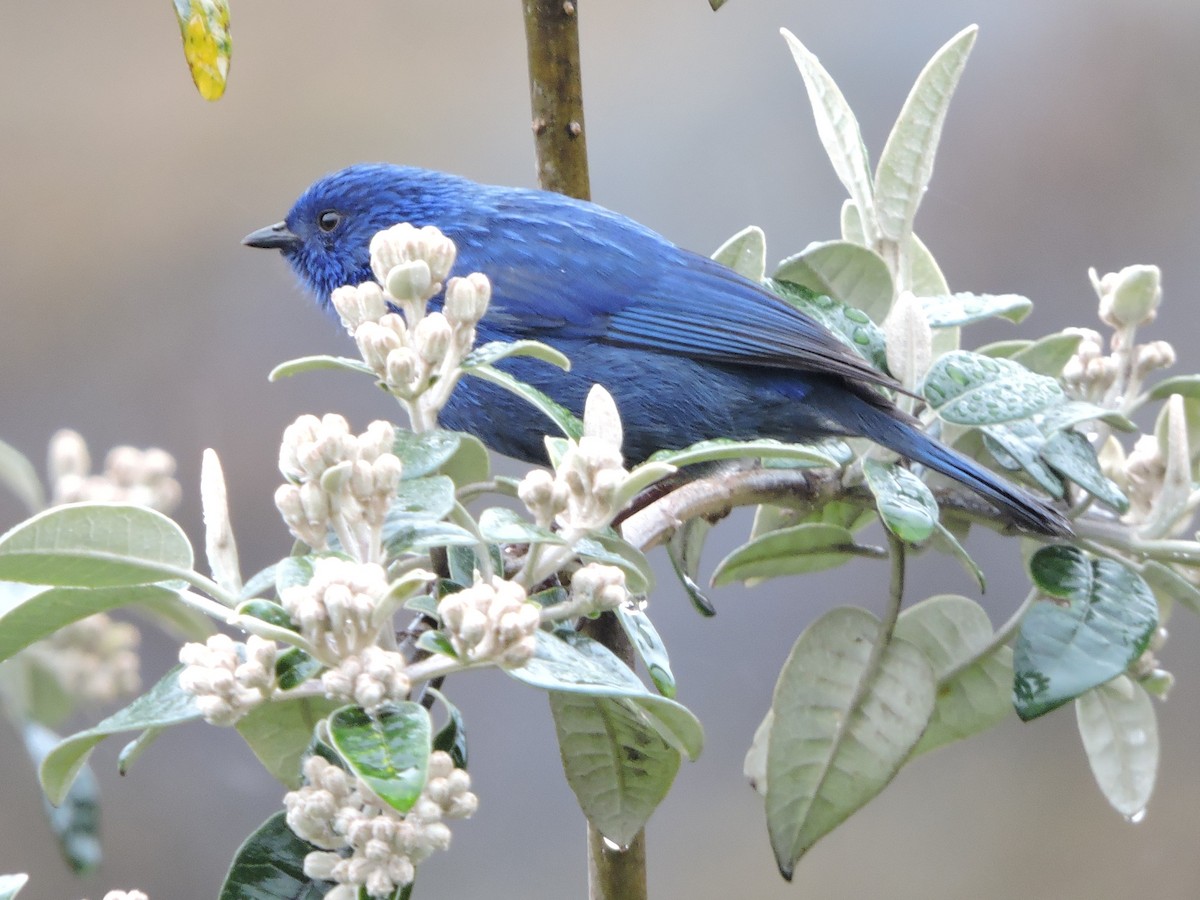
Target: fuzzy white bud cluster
[
  {"x": 415, "y": 355},
  {"x": 371, "y": 678},
  {"x": 126, "y": 895},
  {"x": 336, "y": 610},
  {"x": 338, "y": 481},
  {"x": 228, "y": 679},
  {"x": 491, "y": 622},
  {"x": 94, "y": 660},
  {"x": 582, "y": 494},
  {"x": 1142, "y": 476},
  {"x": 597, "y": 588},
  {"x": 1089, "y": 373},
  {"x": 1128, "y": 298},
  {"x": 365, "y": 843},
  {"x": 140, "y": 477}
]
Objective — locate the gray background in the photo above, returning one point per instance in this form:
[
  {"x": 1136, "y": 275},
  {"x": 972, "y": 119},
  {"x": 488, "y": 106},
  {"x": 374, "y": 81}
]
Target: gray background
[{"x": 131, "y": 314}]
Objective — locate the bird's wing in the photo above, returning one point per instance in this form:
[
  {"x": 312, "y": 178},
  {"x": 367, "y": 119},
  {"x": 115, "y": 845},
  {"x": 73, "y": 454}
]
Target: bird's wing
[{"x": 577, "y": 271}]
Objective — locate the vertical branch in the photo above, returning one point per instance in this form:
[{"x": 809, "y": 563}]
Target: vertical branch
[{"x": 556, "y": 95}]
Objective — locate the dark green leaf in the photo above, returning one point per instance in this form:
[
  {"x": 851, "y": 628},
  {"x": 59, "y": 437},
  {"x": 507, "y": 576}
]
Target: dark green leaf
[
  {"x": 1105, "y": 623},
  {"x": 267, "y": 611},
  {"x": 451, "y": 737},
  {"x": 1019, "y": 444},
  {"x": 270, "y": 866},
  {"x": 1071, "y": 455},
  {"x": 853, "y": 326},
  {"x": 293, "y": 667},
  {"x": 684, "y": 549},
  {"x": 389, "y": 752}
]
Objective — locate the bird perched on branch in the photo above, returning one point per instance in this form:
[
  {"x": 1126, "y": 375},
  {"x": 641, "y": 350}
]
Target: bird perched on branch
[{"x": 689, "y": 349}]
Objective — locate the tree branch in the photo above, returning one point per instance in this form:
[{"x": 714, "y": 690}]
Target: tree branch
[{"x": 556, "y": 95}]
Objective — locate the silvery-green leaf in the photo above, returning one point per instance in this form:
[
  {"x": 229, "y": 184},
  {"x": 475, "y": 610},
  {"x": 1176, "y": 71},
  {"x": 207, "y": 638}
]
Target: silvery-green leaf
[
  {"x": 844, "y": 722},
  {"x": 852, "y": 273},
  {"x": 1120, "y": 734},
  {"x": 906, "y": 163},
  {"x": 764, "y": 448},
  {"x": 1048, "y": 355},
  {"x": 745, "y": 253},
  {"x": 926, "y": 278},
  {"x": 791, "y": 551},
  {"x": 1187, "y": 385},
  {"x": 946, "y": 310},
  {"x": 494, "y": 351},
  {"x": 944, "y": 540},
  {"x": 505, "y": 526},
  {"x": 319, "y": 363},
  {"x": 19, "y": 476},
  {"x": 952, "y": 630},
  {"x": 551, "y": 409},
  {"x": 1170, "y": 586},
  {"x": 1075, "y": 412},
  {"x": 968, "y": 389},
  {"x": 905, "y": 503},
  {"x": 853, "y": 326},
  {"x": 838, "y": 130},
  {"x": 1071, "y": 455},
  {"x": 1019, "y": 444},
  {"x": 684, "y": 549},
  {"x": 852, "y": 224},
  {"x": 10, "y": 885}
]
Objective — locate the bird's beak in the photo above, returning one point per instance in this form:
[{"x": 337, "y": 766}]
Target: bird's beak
[{"x": 273, "y": 237}]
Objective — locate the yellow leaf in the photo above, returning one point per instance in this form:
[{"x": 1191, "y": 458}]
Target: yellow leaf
[{"x": 204, "y": 25}]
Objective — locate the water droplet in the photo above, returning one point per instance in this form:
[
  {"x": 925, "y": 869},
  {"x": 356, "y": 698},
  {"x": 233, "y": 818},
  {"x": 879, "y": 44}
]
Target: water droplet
[
  {"x": 1136, "y": 737},
  {"x": 617, "y": 848},
  {"x": 1136, "y": 817}
]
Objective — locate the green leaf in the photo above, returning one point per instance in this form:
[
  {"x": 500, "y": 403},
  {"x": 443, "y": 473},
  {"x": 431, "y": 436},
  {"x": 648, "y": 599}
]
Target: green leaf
[
  {"x": 1184, "y": 385},
  {"x": 684, "y": 549},
  {"x": 853, "y": 326},
  {"x": 906, "y": 163},
  {"x": 414, "y": 535},
  {"x": 968, "y": 389},
  {"x": 649, "y": 647},
  {"x": 76, "y": 821},
  {"x": 926, "y": 280},
  {"x": 1019, "y": 445},
  {"x": 573, "y": 663},
  {"x": 745, "y": 253},
  {"x": 852, "y": 273},
  {"x": 1074, "y": 412},
  {"x": 616, "y": 763},
  {"x": 318, "y": 364},
  {"x": 279, "y": 734},
  {"x": 944, "y": 540},
  {"x": 791, "y": 551},
  {"x": 1064, "y": 650},
  {"x": 717, "y": 4},
  {"x": 95, "y": 545},
  {"x": 805, "y": 455},
  {"x": 19, "y": 476},
  {"x": 293, "y": 667},
  {"x": 267, "y": 611},
  {"x": 164, "y": 704},
  {"x": 505, "y": 526},
  {"x": 494, "y": 351},
  {"x": 1071, "y": 455},
  {"x": 562, "y": 417},
  {"x": 452, "y": 737},
  {"x": 1120, "y": 734},
  {"x": 1048, "y": 355},
  {"x": 422, "y": 498},
  {"x": 844, "y": 722},
  {"x": 948, "y": 310},
  {"x": 839, "y": 132},
  {"x": 1169, "y": 585},
  {"x": 10, "y": 885},
  {"x": 951, "y": 631},
  {"x": 41, "y": 614},
  {"x": 389, "y": 752},
  {"x": 470, "y": 464},
  {"x": 905, "y": 503},
  {"x": 425, "y": 453},
  {"x": 270, "y": 866}
]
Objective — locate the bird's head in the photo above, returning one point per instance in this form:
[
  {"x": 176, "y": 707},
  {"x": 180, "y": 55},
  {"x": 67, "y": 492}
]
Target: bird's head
[{"x": 326, "y": 235}]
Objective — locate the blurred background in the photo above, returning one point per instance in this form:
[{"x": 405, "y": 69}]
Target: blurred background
[{"x": 133, "y": 315}]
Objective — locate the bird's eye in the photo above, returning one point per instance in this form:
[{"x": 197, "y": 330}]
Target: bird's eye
[{"x": 329, "y": 220}]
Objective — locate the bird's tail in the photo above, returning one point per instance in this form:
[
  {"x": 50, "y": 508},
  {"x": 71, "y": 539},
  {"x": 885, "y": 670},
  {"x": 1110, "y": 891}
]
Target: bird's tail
[{"x": 889, "y": 427}]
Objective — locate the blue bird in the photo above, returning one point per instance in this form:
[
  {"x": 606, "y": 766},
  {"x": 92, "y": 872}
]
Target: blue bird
[{"x": 689, "y": 349}]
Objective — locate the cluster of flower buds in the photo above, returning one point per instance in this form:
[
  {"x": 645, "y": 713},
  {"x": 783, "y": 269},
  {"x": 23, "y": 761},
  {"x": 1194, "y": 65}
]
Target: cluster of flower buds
[
  {"x": 371, "y": 678},
  {"x": 94, "y": 660},
  {"x": 491, "y": 622},
  {"x": 597, "y": 588},
  {"x": 1128, "y": 298},
  {"x": 338, "y": 481},
  {"x": 340, "y": 612},
  {"x": 141, "y": 477},
  {"x": 1091, "y": 375},
  {"x": 365, "y": 843},
  {"x": 416, "y": 355},
  {"x": 582, "y": 494},
  {"x": 226, "y": 678}
]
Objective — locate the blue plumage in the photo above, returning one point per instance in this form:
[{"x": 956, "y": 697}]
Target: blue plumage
[{"x": 689, "y": 349}]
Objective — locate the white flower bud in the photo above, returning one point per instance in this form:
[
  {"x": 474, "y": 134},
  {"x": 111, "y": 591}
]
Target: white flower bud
[
  {"x": 431, "y": 338},
  {"x": 601, "y": 420},
  {"x": 467, "y": 298},
  {"x": 356, "y": 305},
  {"x": 1129, "y": 297},
  {"x": 410, "y": 282},
  {"x": 375, "y": 342}
]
